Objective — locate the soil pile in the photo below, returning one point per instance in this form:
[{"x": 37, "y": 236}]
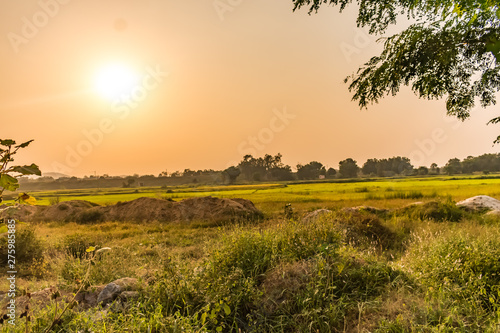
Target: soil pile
[{"x": 139, "y": 210}]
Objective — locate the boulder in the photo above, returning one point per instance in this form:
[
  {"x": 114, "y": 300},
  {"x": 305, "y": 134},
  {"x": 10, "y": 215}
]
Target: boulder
[
  {"x": 495, "y": 213},
  {"x": 109, "y": 294},
  {"x": 480, "y": 202}
]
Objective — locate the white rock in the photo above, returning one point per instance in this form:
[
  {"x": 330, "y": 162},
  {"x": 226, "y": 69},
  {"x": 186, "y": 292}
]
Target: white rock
[
  {"x": 495, "y": 212},
  {"x": 480, "y": 202}
]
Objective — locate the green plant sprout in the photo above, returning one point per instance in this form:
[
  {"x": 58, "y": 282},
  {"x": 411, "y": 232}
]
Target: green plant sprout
[{"x": 9, "y": 174}]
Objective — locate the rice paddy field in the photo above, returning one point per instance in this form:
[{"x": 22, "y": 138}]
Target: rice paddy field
[
  {"x": 431, "y": 267},
  {"x": 271, "y": 198}
]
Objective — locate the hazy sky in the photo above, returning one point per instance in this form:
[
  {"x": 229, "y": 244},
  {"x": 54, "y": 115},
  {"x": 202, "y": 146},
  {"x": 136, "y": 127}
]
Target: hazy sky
[{"x": 218, "y": 79}]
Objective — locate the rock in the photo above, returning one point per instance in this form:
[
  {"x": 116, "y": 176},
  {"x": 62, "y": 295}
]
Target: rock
[
  {"x": 109, "y": 293},
  {"x": 480, "y": 202},
  {"x": 495, "y": 212},
  {"x": 315, "y": 215},
  {"x": 127, "y": 296},
  {"x": 88, "y": 299},
  {"x": 127, "y": 283}
]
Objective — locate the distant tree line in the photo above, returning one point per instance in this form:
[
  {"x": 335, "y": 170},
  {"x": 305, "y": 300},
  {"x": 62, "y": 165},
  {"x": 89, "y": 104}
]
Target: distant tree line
[
  {"x": 264, "y": 168},
  {"x": 272, "y": 168},
  {"x": 485, "y": 163}
]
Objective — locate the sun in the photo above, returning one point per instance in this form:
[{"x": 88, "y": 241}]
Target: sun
[{"x": 115, "y": 80}]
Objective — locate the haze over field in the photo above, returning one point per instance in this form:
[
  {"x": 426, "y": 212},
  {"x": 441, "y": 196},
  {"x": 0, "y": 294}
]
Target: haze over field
[{"x": 210, "y": 82}]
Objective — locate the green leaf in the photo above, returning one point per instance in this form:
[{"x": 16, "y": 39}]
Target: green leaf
[
  {"x": 219, "y": 329},
  {"x": 7, "y": 142},
  {"x": 25, "y": 144},
  {"x": 91, "y": 249},
  {"x": 227, "y": 309},
  {"x": 28, "y": 169},
  {"x": 493, "y": 46},
  {"x": 203, "y": 318},
  {"x": 458, "y": 10},
  {"x": 8, "y": 182}
]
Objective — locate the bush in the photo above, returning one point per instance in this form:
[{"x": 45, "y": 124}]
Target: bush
[
  {"x": 77, "y": 244},
  {"x": 29, "y": 247},
  {"x": 90, "y": 216},
  {"x": 63, "y": 207},
  {"x": 328, "y": 298},
  {"x": 54, "y": 200},
  {"x": 464, "y": 266},
  {"x": 365, "y": 230},
  {"x": 223, "y": 288},
  {"x": 434, "y": 210},
  {"x": 254, "y": 251}
]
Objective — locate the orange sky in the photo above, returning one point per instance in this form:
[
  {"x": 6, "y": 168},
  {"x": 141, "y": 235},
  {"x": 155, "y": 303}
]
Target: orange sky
[{"x": 252, "y": 77}]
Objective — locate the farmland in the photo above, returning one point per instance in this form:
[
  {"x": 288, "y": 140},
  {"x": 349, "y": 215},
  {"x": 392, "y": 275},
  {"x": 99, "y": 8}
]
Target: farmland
[
  {"x": 426, "y": 268},
  {"x": 270, "y": 198}
]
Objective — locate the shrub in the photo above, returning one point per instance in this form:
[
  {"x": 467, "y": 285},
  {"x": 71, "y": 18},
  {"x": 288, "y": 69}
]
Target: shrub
[
  {"x": 462, "y": 265},
  {"x": 328, "y": 299},
  {"x": 365, "y": 230},
  {"x": 29, "y": 247},
  {"x": 63, "y": 207},
  {"x": 434, "y": 210},
  {"x": 90, "y": 216},
  {"x": 54, "y": 200},
  {"x": 77, "y": 244},
  {"x": 254, "y": 251}
]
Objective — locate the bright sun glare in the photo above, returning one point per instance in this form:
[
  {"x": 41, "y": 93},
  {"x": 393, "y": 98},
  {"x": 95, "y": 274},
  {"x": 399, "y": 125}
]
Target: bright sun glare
[{"x": 116, "y": 80}]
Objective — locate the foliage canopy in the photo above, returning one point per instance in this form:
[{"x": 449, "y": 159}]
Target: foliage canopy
[{"x": 451, "y": 50}]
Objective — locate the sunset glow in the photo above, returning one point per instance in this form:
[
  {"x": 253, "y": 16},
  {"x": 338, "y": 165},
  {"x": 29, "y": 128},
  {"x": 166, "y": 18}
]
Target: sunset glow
[
  {"x": 115, "y": 80},
  {"x": 202, "y": 86}
]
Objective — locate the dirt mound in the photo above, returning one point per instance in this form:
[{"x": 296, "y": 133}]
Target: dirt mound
[
  {"x": 209, "y": 208},
  {"x": 204, "y": 208},
  {"x": 480, "y": 202},
  {"x": 64, "y": 211},
  {"x": 141, "y": 210},
  {"x": 20, "y": 213}
]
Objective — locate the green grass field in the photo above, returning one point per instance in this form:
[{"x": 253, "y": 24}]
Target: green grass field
[
  {"x": 422, "y": 268},
  {"x": 272, "y": 197}
]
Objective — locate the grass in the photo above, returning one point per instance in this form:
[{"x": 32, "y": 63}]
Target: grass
[
  {"x": 429, "y": 267},
  {"x": 271, "y": 198}
]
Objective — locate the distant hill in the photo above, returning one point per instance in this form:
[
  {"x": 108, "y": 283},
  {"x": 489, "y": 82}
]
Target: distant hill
[{"x": 54, "y": 175}]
